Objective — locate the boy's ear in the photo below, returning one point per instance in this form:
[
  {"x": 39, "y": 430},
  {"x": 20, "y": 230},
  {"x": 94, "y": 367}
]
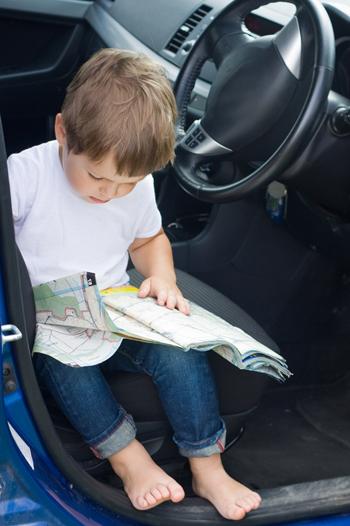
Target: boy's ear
[{"x": 60, "y": 132}]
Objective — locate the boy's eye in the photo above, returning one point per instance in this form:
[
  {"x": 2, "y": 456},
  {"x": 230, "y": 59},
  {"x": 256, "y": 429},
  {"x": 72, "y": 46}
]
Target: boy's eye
[{"x": 93, "y": 177}]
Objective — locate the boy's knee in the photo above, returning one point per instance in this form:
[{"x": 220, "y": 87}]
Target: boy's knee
[
  {"x": 172, "y": 361},
  {"x": 177, "y": 359}
]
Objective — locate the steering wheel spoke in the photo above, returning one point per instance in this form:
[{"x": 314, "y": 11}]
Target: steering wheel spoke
[
  {"x": 198, "y": 142},
  {"x": 289, "y": 44}
]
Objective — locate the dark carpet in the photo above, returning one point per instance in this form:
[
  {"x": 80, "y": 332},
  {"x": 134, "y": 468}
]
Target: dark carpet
[{"x": 296, "y": 435}]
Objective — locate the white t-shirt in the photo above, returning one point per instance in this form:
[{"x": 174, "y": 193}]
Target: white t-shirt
[{"x": 59, "y": 233}]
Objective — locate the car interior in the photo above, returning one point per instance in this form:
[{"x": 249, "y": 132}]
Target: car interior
[{"x": 263, "y": 94}]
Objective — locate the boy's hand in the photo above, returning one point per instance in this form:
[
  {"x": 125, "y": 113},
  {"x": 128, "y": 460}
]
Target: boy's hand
[{"x": 165, "y": 292}]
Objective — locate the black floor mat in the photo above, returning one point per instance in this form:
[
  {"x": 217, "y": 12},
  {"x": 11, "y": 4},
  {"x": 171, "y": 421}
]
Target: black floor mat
[
  {"x": 296, "y": 435},
  {"x": 327, "y": 409},
  {"x": 288, "y": 440}
]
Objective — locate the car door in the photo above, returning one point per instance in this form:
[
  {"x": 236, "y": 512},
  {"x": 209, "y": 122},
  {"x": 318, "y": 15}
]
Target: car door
[
  {"x": 20, "y": 497},
  {"x": 43, "y": 42}
]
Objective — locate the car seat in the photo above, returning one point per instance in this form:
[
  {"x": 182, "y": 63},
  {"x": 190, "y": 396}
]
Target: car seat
[{"x": 239, "y": 391}]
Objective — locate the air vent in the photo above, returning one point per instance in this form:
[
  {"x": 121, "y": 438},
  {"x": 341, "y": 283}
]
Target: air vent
[{"x": 187, "y": 27}]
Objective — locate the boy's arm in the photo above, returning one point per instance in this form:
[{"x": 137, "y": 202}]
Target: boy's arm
[{"x": 153, "y": 258}]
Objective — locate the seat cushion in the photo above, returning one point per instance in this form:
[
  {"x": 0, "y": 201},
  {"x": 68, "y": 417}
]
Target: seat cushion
[{"x": 239, "y": 391}]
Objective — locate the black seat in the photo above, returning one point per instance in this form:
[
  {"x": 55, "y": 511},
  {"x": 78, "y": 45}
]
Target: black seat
[{"x": 239, "y": 391}]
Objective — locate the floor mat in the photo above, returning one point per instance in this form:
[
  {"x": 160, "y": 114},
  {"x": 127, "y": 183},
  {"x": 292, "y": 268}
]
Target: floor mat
[
  {"x": 296, "y": 435},
  {"x": 327, "y": 409},
  {"x": 282, "y": 446}
]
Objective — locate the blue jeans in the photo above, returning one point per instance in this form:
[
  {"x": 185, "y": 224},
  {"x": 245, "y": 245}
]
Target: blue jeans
[{"x": 185, "y": 386}]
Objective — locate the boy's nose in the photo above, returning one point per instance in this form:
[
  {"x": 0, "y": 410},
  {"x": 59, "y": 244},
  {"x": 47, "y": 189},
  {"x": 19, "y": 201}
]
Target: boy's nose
[{"x": 108, "y": 191}]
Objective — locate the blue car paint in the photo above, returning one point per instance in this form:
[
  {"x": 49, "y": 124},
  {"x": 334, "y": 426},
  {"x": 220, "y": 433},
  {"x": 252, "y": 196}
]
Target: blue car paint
[{"x": 36, "y": 493}]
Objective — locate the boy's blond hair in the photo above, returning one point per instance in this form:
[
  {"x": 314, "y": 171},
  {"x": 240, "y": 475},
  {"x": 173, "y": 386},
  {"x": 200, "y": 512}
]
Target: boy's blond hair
[{"x": 121, "y": 101}]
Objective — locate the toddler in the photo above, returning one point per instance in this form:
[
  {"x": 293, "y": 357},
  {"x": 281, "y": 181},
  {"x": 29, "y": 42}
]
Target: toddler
[{"x": 85, "y": 202}]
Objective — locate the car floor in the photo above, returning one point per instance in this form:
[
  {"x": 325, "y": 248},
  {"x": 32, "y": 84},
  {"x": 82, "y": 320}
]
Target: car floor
[{"x": 298, "y": 434}]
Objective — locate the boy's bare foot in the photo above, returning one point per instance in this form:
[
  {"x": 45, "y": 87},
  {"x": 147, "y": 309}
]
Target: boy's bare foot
[
  {"x": 145, "y": 483},
  {"x": 210, "y": 481}
]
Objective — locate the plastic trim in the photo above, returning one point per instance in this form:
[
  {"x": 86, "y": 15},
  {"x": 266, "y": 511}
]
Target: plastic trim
[
  {"x": 114, "y": 34},
  {"x": 66, "y": 8}
]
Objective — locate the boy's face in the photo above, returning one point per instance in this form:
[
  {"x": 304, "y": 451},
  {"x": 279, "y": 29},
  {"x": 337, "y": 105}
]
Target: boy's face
[{"x": 96, "y": 182}]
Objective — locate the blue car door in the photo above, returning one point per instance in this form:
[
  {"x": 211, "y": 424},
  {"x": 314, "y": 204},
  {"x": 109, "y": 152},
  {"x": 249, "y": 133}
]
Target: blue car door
[{"x": 23, "y": 499}]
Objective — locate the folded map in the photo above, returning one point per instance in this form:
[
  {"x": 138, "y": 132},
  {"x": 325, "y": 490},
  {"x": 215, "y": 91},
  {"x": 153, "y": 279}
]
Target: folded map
[{"x": 80, "y": 325}]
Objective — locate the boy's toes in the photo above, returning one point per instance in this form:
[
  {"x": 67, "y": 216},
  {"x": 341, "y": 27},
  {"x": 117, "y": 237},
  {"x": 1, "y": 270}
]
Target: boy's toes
[
  {"x": 164, "y": 491},
  {"x": 150, "y": 499},
  {"x": 246, "y": 503},
  {"x": 176, "y": 491},
  {"x": 156, "y": 494},
  {"x": 235, "y": 513},
  {"x": 256, "y": 501},
  {"x": 140, "y": 503}
]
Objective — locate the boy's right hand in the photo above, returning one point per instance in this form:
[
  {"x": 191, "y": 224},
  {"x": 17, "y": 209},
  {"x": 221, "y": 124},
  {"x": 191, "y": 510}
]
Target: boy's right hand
[{"x": 165, "y": 292}]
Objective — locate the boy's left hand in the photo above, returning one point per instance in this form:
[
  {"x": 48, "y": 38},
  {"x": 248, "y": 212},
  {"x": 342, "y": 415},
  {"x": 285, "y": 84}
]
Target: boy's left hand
[{"x": 165, "y": 292}]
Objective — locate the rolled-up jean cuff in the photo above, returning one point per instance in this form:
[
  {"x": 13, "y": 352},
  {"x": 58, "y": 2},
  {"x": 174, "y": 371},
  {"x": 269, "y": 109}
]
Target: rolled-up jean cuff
[
  {"x": 119, "y": 438},
  {"x": 212, "y": 445}
]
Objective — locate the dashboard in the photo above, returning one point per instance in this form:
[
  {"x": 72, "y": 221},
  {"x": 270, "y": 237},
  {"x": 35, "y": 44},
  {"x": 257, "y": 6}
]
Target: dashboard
[{"x": 170, "y": 28}]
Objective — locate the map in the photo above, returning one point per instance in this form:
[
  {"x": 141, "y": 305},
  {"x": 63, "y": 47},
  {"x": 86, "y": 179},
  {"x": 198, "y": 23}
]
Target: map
[{"x": 80, "y": 325}]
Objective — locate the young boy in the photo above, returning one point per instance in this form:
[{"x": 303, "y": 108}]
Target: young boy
[{"x": 85, "y": 202}]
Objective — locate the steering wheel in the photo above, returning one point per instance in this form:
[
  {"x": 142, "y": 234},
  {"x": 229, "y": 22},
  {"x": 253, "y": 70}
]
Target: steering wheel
[{"x": 266, "y": 102}]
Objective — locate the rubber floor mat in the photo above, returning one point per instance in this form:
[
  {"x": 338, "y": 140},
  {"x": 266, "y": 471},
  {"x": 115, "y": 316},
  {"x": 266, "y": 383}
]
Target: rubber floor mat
[
  {"x": 296, "y": 435},
  {"x": 281, "y": 446},
  {"x": 328, "y": 410}
]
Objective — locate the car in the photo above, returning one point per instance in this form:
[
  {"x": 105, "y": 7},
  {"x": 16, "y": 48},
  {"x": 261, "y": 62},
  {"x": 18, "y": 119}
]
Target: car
[{"x": 257, "y": 207}]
